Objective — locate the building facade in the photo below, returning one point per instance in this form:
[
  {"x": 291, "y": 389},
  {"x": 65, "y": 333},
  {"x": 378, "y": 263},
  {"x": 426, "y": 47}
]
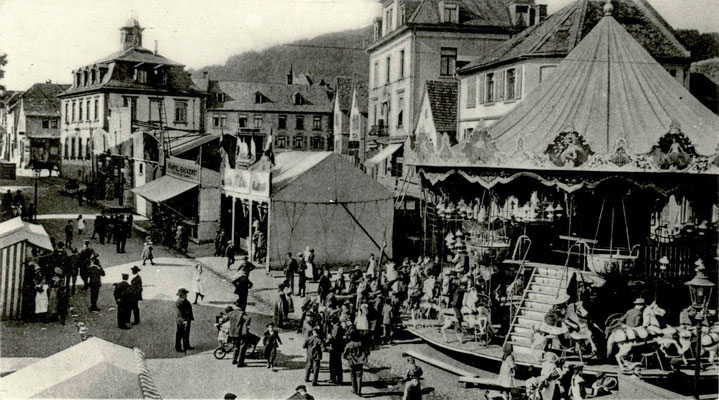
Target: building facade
[
  {"x": 297, "y": 116},
  {"x": 32, "y": 122},
  {"x": 350, "y": 118},
  {"x": 492, "y": 87},
  {"x": 126, "y": 106}
]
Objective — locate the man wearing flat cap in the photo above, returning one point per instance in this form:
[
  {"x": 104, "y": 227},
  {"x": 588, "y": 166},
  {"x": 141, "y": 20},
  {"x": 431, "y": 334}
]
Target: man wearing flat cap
[
  {"x": 123, "y": 299},
  {"x": 184, "y": 321}
]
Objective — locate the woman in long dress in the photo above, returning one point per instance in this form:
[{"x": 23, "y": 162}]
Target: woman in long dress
[
  {"x": 508, "y": 368},
  {"x": 361, "y": 321},
  {"x": 198, "y": 285}
]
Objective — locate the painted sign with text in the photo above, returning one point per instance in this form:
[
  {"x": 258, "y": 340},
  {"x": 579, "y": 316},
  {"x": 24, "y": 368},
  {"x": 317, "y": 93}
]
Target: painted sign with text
[{"x": 183, "y": 169}]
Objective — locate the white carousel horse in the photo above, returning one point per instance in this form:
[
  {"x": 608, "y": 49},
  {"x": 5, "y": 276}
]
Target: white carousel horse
[
  {"x": 428, "y": 302},
  {"x": 710, "y": 341},
  {"x": 542, "y": 333},
  {"x": 626, "y": 338}
]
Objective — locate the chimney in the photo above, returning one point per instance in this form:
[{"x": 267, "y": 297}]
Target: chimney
[
  {"x": 155, "y": 47},
  {"x": 48, "y": 81},
  {"x": 204, "y": 74},
  {"x": 289, "y": 76}
]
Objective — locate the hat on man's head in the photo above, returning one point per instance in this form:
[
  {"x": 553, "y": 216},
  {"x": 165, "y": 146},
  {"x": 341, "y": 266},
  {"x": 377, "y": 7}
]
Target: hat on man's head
[
  {"x": 135, "y": 268},
  {"x": 230, "y": 396},
  {"x": 182, "y": 291},
  {"x": 58, "y": 271},
  {"x": 300, "y": 387},
  {"x": 639, "y": 300},
  {"x": 125, "y": 276},
  {"x": 269, "y": 324},
  {"x": 60, "y": 245}
]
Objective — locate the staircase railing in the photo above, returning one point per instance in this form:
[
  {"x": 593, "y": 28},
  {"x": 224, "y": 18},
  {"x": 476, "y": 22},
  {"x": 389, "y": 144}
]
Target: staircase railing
[
  {"x": 521, "y": 302},
  {"x": 582, "y": 251}
]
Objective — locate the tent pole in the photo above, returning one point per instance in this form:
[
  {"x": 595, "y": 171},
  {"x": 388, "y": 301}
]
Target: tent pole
[
  {"x": 381, "y": 248},
  {"x": 232, "y": 223},
  {"x": 267, "y": 242},
  {"x": 249, "y": 236}
]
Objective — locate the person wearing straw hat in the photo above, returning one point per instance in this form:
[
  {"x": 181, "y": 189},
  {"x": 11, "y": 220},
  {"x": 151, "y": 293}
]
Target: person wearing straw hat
[
  {"x": 634, "y": 316},
  {"x": 184, "y": 321}
]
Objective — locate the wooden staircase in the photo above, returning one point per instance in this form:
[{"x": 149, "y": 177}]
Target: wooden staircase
[{"x": 546, "y": 283}]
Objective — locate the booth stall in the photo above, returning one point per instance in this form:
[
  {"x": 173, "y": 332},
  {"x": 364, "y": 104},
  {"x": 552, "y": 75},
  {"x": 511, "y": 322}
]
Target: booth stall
[{"x": 306, "y": 199}]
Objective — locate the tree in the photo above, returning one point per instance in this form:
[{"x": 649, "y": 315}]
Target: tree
[{"x": 701, "y": 45}]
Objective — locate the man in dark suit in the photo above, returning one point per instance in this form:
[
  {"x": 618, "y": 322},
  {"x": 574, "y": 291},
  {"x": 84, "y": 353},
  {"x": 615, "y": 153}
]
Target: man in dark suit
[
  {"x": 239, "y": 326},
  {"x": 120, "y": 235},
  {"x": 291, "y": 267},
  {"x": 83, "y": 261},
  {"x": 184, "y": 321},
  {"x": 123, "y": 299},
  {"x": 314, "y": 345},
  {"x": 242, "y": 289},
  {"x": 336, "y": 346},
  {"x": 324, "y": 286},
  {"x": 95, "y": 274},
  {"x": 136, "y": 286}
]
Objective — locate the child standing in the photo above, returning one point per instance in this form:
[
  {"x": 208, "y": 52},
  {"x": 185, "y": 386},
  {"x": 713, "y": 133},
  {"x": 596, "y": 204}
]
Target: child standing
[
  {"x": 271, "y": 342},
  {"x": 197, "y": 283},
  {"x": 80, "y": 225},
  {"x": 147, "y": 251}
]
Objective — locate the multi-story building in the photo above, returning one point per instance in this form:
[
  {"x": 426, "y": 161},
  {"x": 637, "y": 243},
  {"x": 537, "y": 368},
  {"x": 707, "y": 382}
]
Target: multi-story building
[
  {"x": 416, "y": 41},
  {"x": 495, "y": 85},
  {"x": 116, "y": 107},
  {"x": 298, "y": 116},
  {"x": 32, "y": 120}
]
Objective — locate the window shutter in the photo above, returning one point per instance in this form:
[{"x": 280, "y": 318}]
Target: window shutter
[
  {"x": 499, "y": 84},
  {"x": 481, "y": 88},
  {"x": 518, "y": 82}
]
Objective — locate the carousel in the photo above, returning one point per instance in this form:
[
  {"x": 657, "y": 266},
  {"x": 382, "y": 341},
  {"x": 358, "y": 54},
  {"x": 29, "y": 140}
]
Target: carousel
[{"x": 595, "y": 196}]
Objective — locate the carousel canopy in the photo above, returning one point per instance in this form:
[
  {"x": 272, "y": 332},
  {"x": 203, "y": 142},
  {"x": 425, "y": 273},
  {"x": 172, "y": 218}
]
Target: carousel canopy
[{"x": 609, "y": 107}]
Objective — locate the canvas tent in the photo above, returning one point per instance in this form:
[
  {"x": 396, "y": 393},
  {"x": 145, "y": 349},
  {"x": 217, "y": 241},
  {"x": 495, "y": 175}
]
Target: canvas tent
[
  {"x": 320, "y": 200},
  {"x": 16, "y": 238},
  {"x": 93, "y": 369}
]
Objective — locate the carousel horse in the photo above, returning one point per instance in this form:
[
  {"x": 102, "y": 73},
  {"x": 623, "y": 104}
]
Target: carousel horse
[
  {"x": 543, "y": 333},
  {"x": 626, "y": 338},
  {"x": 710, "y": 341},
  {"x": 577, "y": 319},
  {"x": 428, "y": 302}
]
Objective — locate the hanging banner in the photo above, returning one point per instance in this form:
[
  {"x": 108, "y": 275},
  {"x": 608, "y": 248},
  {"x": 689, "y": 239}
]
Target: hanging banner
[
  {"x": 260, "y": 183},
  {"x": 183, "y": 169}
]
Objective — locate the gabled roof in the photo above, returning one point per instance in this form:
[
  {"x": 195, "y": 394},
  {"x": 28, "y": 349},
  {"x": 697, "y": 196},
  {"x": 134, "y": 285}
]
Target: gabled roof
[
  {"x": 343, "y": 93},
  {"x": 16, "y": 230},
  {"x": 322, "y": 178},
  {"x": 472, "y": 12},
  {"x": 41, "y": 99},
  {"x": 442, "y": 97},
  {"x": 239, "y": 96},
  {"x": 559, "y": 33}
]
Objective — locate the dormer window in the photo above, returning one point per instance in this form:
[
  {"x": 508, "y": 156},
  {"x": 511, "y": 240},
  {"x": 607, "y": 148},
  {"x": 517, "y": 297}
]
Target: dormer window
[
  {"x": 450, "y": 12},
  {"x": 401, "y": 15},
  {"x": 94, "y": 76},
  {"x": 521, "y": 15},
  {"x": 259, "y": 98},
  {"x": 388, "y": 20},
  {"x": 84, "y": 78},
  {"x": 160, "y": 76},
  {"x": 297, "y": 99},
  {"x": 220, "y": 97},
  {"x": 140, "y": 76}
]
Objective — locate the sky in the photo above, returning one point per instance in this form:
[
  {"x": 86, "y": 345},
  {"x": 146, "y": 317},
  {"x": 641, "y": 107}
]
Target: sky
[{"x": 47, "y": 39}]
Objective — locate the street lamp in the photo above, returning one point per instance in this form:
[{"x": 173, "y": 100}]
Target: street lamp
[
  {"x": 36, "y": 174},
  {"x": 700, "y": 290}
]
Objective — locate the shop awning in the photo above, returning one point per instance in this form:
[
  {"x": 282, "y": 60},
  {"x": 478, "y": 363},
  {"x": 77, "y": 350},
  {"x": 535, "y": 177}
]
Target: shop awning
[
  {"x": 164, "y": 188},
  {"x": 383, "y": 154}
]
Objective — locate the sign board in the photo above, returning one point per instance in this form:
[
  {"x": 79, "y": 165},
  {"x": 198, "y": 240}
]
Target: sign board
[
  {"x": 183, "y": 169},
  {"x": 247, "y": 181}
]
